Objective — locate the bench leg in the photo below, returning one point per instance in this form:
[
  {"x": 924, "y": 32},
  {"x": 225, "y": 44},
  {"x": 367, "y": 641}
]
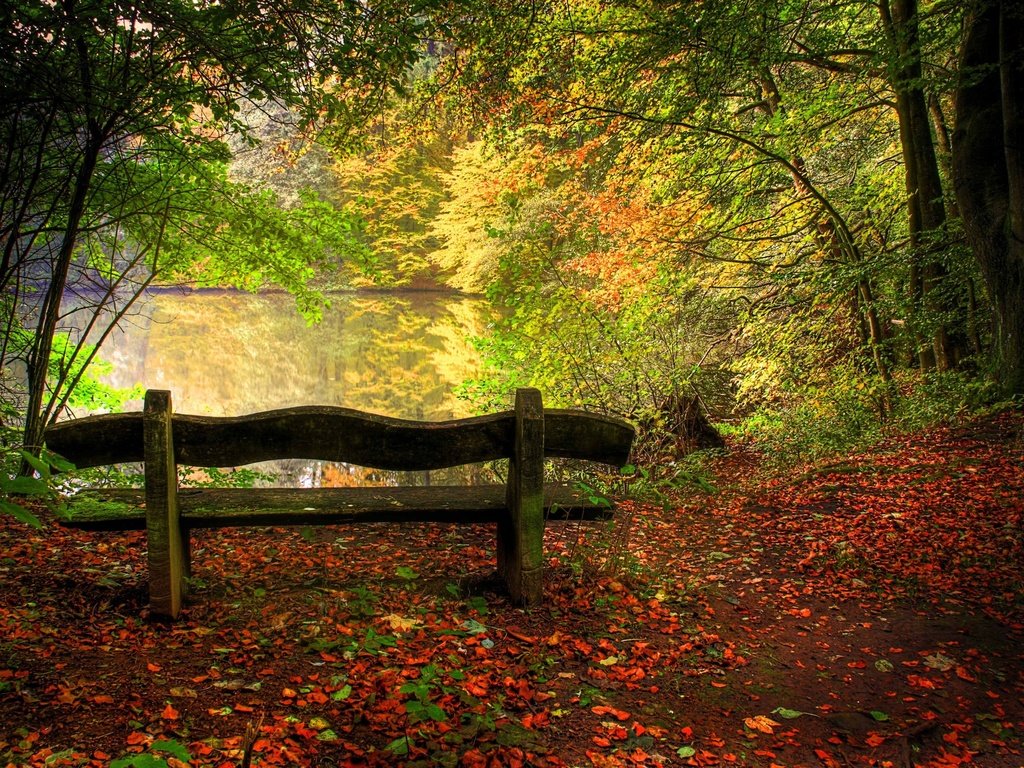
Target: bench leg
[
  {"x": 520, "y": 541},
  {"x": 167, "y": 546}
]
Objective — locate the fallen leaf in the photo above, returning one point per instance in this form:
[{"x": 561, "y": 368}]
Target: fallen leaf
[{"x": 761, "y": 723}]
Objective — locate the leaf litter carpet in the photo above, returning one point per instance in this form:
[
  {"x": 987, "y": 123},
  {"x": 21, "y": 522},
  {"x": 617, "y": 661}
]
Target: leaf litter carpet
[{"x": 864, "y": 612}]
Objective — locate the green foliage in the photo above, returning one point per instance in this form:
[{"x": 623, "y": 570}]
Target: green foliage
[
  {"x": 19, "y": 492},
  {"x": 155, "y": 756},
  {"x": 77, "y": 365},
  {"x": 430, "y": 684},
  {"x": 824, "y": 422},
  {"x": 709, "y": 204},
  {"x": 215, "y": 477},
  {"x": 853, "y": 410}
]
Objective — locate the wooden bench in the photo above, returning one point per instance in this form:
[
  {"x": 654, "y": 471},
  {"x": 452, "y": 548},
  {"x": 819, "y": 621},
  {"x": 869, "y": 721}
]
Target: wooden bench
[{"x": 162, "y": 440}]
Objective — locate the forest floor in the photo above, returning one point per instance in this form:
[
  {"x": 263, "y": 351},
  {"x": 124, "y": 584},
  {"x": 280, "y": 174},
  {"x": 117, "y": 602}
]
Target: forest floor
[{"x": 864, "y": 612}]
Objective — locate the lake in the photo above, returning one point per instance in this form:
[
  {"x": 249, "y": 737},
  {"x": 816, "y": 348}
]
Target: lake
[{"x": 223, "y": 353}]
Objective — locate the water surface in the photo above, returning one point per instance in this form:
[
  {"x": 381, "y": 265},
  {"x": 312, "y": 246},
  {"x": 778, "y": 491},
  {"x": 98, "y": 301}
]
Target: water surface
[{"x": 226, "y": 353}]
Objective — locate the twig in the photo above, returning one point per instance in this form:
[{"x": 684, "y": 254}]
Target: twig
[{"x": 251, "y": 733}]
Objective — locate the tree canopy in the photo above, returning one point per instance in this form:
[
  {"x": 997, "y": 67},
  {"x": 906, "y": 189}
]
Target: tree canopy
[{"x": 789, "y": 205}]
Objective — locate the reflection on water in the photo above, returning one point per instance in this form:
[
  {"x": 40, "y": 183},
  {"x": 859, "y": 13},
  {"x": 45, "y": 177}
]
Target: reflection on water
[{"x": 229, "y": 353}]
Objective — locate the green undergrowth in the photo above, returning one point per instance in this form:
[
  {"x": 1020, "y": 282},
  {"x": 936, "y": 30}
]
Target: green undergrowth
[{"x": 853, "y": 414}]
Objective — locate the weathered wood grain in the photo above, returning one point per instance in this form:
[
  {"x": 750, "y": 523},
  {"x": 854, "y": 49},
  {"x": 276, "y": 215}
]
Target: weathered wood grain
[
  {"x": 520, "y": 533},
  {"x": 339, "y": 434},
  {"x": 164, "y": 440},
  {"x": 167, "y": 548},
  {"x": 124, "y": 509}
]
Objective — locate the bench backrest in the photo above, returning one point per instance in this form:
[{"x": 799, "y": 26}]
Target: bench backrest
[{"x": 337, "y": 434}]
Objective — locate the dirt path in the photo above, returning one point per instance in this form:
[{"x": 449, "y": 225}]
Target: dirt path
[{"x": 866, "y": 613}]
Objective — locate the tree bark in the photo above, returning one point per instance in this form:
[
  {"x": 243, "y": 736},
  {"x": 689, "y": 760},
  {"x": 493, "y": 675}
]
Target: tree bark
[
  {"x": 988, "y": 167},
  {"x": 38, "y": 362},
  {"x": 925, "y": 205}
]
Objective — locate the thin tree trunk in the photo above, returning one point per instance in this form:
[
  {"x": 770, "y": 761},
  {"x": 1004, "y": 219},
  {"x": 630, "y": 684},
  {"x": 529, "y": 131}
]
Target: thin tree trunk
[{"x": 39, "y": 356}]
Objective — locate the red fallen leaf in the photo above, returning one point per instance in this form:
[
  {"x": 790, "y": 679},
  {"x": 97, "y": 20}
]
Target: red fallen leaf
[
  {"x": 137, "y": 737},
  {"x": 536, "y": 720},
  {"x": 761, "y": 723},
  {"x": 618, "y": 733},
  {"x": 618, "y": 714},
  {"x": 103, "y": 699},
  {"x": 242, "y": 708},
  {"x": 601, "y": 741},
  {"x": 153, "y": 667},
  {"x": 474, "y": 758},
  {"x": 170, "y": 713},
  {"x": 101, "y": 755},
  {"x": 288, "y": 693},
  {"x": 963, "y": 674},
  {"x": 921, "y": 682},
  {"x": 874, "y": 740},
  {"x": 66, "y": 696}
]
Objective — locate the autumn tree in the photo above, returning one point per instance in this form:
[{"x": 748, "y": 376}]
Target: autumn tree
[{"x": 805, "y": 144}]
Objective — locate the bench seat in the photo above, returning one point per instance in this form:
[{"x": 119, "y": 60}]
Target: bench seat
[{"x": 125, "y": 510}]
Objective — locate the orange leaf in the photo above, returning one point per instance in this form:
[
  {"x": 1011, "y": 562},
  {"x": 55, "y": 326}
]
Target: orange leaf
[
  {"x": 169, "y": 713},
  {"x": 618, "y": 714},
  {"x": 963, "y": 674},
  {"x": 761, "y": 723},
  {"x": 874, "y": 740}
]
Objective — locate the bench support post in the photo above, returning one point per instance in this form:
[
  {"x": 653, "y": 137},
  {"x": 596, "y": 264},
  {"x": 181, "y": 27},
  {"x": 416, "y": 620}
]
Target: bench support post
[
  {"x": 520, "y": 542},
  {"x": 168, "y": 566}
]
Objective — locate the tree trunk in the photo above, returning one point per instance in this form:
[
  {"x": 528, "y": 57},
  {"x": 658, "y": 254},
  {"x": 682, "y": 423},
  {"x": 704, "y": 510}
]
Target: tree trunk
[
  {"x": 988, "y": 167},
  {"x": 926, "y": 209},
  {"x": 38, "y": 362}
]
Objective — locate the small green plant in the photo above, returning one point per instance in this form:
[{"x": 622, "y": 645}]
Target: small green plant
[
  {"x": 152, "y": 758},
  {"x": 430, "y": 683},
  {"x": 407, "y": 573},
  {"x": 18, "y": 490},
  {"x": 643, "y": 485}
]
